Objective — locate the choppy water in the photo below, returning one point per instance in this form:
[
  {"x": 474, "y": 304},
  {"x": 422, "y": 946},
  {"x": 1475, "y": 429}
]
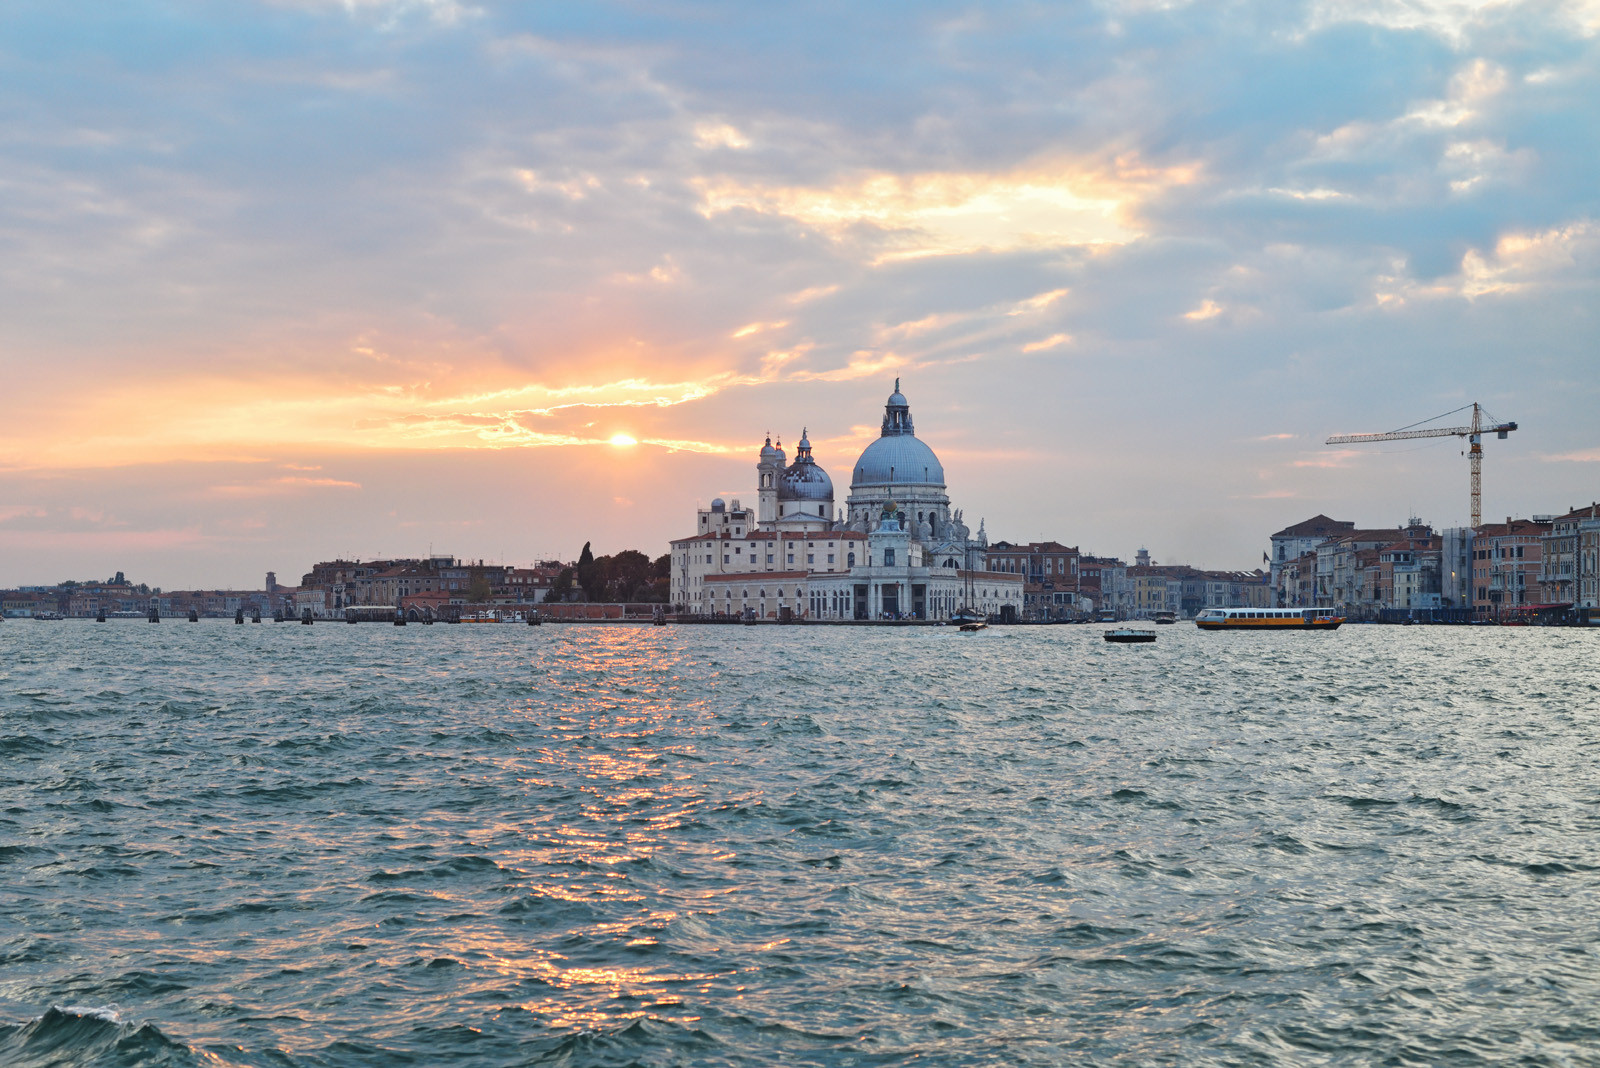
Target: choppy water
[{"x": 284, "y": 845}]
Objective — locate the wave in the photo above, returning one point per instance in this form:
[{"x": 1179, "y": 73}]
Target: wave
[{"x": 93, "y": 1035}]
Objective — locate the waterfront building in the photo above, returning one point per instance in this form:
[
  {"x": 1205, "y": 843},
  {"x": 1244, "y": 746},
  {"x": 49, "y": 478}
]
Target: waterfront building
[
  {"x": 1506, "y": 565},
  {"x": 896, "y": 550},
  {"x": 1561, "y": 570},
  {"x": 1587, "y": 591},
  {"x": 1050, "y": 576},
  {"x": 1295, "y": 541},
  {"x": 1348, "y": 566},
  {"x": 1455, "y": 567},
  {"x": 1103, "y": 581},
  {"x": 1294, "y": 584}
]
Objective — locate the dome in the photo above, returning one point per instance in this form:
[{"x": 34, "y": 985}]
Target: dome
[
  {"x": 718, "y": 504},
  {"x": 898, "y": 456},
  {"x": 804, "y": 480},
  {"x": 900, "y": 459},
  {"x": 768, "y": 453}
]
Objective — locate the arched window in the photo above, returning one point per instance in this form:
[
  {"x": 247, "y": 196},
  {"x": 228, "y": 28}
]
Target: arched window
[{"x": 850, "y": 560}]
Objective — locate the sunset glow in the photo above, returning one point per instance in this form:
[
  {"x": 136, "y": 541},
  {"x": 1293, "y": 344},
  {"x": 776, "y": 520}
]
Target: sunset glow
[{"x": 1078, "y": 240}]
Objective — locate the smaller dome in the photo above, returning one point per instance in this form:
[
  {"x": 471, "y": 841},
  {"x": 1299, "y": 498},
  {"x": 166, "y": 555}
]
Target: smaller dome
[
  {"x": 768, "y": 453},
  {"x": 805, "y": 482},
  {"x": 719, "y": 505}
]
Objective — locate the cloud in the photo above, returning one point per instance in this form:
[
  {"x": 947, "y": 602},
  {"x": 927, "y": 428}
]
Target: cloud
[
  {"x": 451, "y": 237},
  {"x": 935, "y": 214},
  {"x": 1522, "y": 260},
  {"x": 276, "y": 486},
  {"x": 1051, "y": 342}
]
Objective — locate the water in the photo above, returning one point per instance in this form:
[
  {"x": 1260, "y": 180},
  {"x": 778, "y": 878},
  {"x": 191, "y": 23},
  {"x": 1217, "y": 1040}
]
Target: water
[{"x": 332, "y": 845}]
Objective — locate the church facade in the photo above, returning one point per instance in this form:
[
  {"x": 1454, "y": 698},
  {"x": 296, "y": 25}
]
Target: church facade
[{"x": 895, "y": 550}]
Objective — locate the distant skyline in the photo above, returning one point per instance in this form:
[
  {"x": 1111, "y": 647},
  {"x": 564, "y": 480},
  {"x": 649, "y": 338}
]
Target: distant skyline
[{"x": 284, "y": 280}]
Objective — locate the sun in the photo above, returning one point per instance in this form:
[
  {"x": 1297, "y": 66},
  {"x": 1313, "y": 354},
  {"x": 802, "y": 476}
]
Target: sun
[{"x": 623, "y": 440}]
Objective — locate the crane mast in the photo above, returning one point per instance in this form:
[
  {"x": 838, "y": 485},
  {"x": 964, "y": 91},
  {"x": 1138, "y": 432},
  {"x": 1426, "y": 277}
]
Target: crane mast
[{"x": 1482, "y": 423}]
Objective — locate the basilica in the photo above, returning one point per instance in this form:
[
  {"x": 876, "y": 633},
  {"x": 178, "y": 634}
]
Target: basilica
[{"x": 896, "y": 550}]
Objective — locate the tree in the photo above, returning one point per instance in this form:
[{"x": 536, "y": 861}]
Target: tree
[
  {"x": 629, "y": 576},
  {"x": 560, "y": 587},
  {"x": 588, "y": 575}
]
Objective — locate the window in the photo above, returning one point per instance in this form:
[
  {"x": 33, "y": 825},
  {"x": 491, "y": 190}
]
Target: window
[
  {"x": 830, "y": 558},
  {"x": 850, "y": 559},
  {"x": 811, "y": 558},
  {"x": 769, "y": 558},
  {"x": 724, "y": 557},
  {"x": 791, "y": 558},
  {"x": 888, "y": 558}
]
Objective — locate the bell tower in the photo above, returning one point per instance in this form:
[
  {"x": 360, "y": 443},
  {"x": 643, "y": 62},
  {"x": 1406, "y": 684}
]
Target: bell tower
[{"x": 769, "y": 469}]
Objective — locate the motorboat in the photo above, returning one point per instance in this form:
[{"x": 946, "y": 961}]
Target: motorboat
[{"x": 1130, "y": 635}]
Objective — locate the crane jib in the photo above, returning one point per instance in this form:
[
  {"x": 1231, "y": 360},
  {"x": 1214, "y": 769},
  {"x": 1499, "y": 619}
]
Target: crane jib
[{"x": 1474, "y": 434}]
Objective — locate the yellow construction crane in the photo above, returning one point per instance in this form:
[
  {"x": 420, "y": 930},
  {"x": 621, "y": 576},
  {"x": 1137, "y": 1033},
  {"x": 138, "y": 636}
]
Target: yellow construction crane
[{"x": 1482, "y": 423}]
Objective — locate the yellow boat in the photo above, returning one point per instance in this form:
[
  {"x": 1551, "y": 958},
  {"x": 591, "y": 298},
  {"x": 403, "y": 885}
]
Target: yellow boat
[{"x": 1268, "y": 619}]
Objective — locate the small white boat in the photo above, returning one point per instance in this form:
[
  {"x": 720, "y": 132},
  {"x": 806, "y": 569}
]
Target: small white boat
[{"x": 1130, "y": 635}]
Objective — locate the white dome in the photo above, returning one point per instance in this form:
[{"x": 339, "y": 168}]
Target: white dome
[
  {"x": 897, "y": 457},
  {"x": 900, "y": 460}
]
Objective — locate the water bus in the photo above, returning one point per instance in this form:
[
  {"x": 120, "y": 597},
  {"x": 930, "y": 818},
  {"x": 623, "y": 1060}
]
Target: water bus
[
  {"x": 1130, "y": 635},
  {"x": 1268, "y": 619}
]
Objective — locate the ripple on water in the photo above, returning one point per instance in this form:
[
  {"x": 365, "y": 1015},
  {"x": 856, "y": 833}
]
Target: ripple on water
[{"x": 619, "y": 845}]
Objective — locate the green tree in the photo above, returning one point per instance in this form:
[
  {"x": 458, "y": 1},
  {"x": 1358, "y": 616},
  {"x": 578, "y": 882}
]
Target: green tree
[
  {"x": 590, "y": 576},
  {"x": 629, "y": 576},
  {"x": 478, "y": 590},
  {"x": 560, "y": 587}
]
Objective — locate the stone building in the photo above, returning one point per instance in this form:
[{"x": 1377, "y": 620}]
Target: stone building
[{"x": 896, "y": 550}]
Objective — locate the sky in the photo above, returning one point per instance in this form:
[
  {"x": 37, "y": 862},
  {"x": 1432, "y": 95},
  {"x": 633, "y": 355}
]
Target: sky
[{"x": 282, "y": 281}]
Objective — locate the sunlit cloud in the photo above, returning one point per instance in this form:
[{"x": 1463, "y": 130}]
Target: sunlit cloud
[
  {"x": 719, "y": 135},
  {"x": 272, "y": 486},
  {"x": 1523, "y": 260},
  {"x": 1452, "y": 20},
  {"x": 1208, "y": 309},
  {"x": 861, "y": 365},
  {"x": 935, "y": 214},
  {"x": 1051, "y": 342},
  {"x": 751, "y": 329},
  {"x": 1038, "y": 302},
  {"x": 1334, "y": 458}
]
